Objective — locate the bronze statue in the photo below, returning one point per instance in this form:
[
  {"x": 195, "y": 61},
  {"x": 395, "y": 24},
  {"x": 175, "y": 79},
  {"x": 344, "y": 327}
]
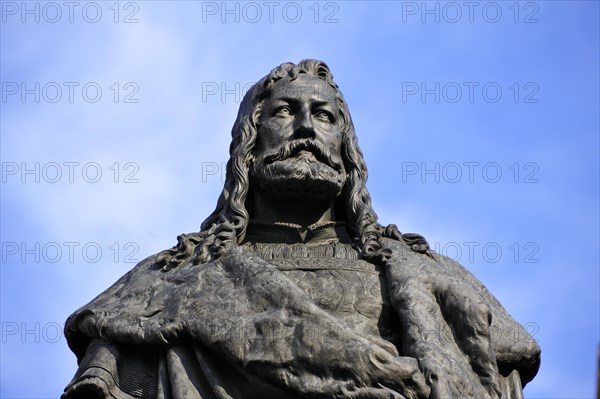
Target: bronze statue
[{"x": 292, "y": 289}]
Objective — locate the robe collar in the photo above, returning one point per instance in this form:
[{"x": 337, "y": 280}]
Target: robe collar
[{"x": 291, "y": 233}]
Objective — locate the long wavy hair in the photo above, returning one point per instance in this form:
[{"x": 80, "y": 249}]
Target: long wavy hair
[{"x": 227, "y": 224}]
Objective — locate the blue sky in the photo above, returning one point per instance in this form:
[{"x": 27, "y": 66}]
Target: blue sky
[{"x": 479, "y": 123}]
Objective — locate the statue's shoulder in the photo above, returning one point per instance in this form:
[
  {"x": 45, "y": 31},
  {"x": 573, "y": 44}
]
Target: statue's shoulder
[
  {"x": 132, "y": 296},
  {"x": 412, "y": 251},
  {"x": 411, "y": 258},
  {"x": 413, "y": 248},
  {"x": 405, "y": 245},
  {"x": 157, "y": 269}
]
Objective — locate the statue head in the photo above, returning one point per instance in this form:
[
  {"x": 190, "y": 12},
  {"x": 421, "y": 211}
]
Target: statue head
[
  {"x": 297, "y": 151},
  {"x": 322, "y": 159}
]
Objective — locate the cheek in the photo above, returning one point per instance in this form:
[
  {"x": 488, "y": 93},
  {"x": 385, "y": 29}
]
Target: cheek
[
  {"x": 336, "y": 140},
  {"x": 275, "y": 130}
]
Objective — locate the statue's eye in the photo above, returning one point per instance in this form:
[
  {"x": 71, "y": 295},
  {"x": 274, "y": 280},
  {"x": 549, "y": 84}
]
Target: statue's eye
[
  {"x": 324, "y": 116},
  {"x": 283, "y": 111}
]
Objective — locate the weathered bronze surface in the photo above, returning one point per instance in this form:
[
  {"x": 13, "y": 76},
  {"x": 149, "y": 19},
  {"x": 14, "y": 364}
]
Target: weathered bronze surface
[{"x": 292, "y": 289}]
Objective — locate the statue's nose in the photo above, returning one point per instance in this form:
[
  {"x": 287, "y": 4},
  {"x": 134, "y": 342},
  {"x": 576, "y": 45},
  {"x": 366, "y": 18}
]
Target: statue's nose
[{"x": 304, "y": 127}]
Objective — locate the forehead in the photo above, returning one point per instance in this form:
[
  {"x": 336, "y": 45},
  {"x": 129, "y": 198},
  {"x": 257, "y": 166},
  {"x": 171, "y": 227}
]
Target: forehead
[{"x": 303, "y": 88}]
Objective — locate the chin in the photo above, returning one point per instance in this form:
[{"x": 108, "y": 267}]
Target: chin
[{"x": 300, "y": 179}]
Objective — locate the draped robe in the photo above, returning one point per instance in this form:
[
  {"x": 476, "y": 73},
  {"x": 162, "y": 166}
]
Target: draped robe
[{"x": 298, "y": 316}]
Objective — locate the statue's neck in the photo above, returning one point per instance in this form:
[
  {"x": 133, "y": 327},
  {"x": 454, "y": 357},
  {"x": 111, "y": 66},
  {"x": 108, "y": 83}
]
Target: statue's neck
[
  {"x": 323, "y": 233},
  {"x": 299, "y": 211}
]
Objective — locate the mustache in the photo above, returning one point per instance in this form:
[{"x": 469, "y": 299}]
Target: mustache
[{"x": 322, "y": 154}]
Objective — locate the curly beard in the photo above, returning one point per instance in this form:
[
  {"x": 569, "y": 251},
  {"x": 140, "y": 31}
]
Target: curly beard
[{"x": 302, "y": 169}]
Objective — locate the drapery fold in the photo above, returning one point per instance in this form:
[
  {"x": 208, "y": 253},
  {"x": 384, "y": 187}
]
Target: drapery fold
[{"x": 238, "y": 328}]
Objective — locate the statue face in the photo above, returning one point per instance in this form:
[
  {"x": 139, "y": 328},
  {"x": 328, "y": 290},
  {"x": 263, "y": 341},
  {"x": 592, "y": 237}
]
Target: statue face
[{"x": 299, "y": 140}]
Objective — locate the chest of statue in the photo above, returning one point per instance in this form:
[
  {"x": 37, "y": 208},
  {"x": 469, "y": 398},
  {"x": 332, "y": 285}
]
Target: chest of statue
[{"x": 352, "y": 290}]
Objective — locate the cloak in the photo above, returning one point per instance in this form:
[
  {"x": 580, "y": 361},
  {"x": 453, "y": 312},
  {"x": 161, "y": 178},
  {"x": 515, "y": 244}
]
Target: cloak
[{"x": 237, "y": 327}]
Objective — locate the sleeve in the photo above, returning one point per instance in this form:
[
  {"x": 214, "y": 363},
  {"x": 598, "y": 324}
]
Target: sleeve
[{"x": 116, "y": 371}]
